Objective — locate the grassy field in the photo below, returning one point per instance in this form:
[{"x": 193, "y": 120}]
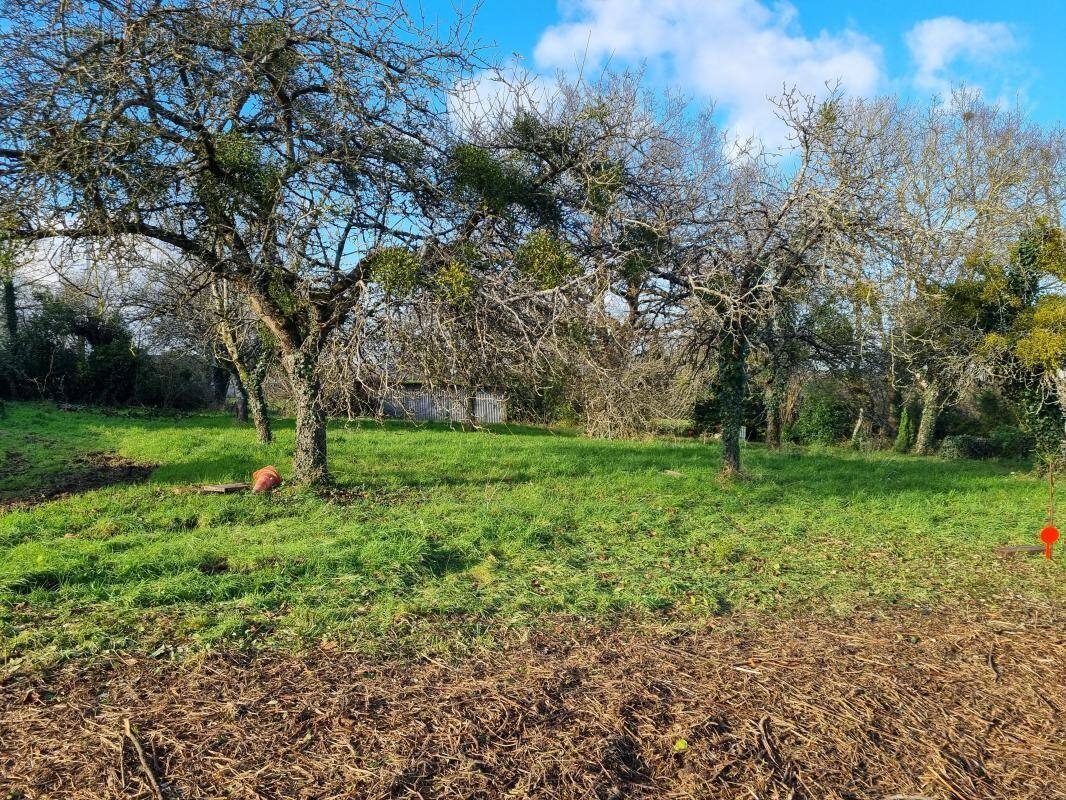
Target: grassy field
[{"x": 437, "y": 536}]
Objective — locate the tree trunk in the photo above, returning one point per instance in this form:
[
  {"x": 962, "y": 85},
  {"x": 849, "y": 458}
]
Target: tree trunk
[
  {"x": 471, "y": 401},
  {"x": 731, "y": 386},
  {"x": 242, "y": 399},
  {"x": 772, "y": 400},
  {"x": 10, "y": 318},
  {"x": 309, "y": 456},
  {"x": 257, "y": 405},
  {"x": 931, "y": 401},
  {"x": 251, "y": 399},
  {"x": 220, "y": 378},
  {"x": 773, "y": 418},
  {"x": 857, "y": 433}
]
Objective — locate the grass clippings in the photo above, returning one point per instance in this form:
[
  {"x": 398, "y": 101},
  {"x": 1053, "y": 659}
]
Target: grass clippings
[{"x": 961, "y": 704}]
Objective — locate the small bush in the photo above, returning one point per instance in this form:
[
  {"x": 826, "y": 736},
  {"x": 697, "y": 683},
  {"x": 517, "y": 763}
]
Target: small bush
[
  {"x": 707, "y": 413},
  {"x": 174, "y": 380},
  {"x": 905, "y": 437},
  {"x": 673, "y": 427},
  {"x": 873, "y": 444},
  {"x": 955, "y": 420},
  {"x": 1009, "y": 441},
  {"x": 824, "y": 418},
  {"x": 1006, "y": 441},
  {"x": 993, "y": 410},
  {"x": 966, "y": 446}
]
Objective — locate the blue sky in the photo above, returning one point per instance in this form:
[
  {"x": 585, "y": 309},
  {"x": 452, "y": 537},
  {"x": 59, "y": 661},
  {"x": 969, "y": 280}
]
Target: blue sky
[{"x": 740, "y": 51}]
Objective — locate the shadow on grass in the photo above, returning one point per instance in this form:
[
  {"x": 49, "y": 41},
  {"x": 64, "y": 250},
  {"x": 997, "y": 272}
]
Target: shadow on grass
[
  {"x": 419, "y": 455},
  {"x": 86, "y": 474},
  {"x": 815, "y": 474}
]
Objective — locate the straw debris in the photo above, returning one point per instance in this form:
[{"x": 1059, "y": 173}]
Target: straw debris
[{"x": 956, "y": 704}]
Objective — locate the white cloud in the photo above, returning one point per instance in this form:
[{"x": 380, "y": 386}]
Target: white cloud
[
  {"x": 937, "y": 44},
  {"x": 739, "y": 53}
]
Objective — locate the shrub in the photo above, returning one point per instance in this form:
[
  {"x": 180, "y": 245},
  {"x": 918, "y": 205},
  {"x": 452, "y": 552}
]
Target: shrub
[
  {"x": 1006, "y": 441},
  {"x": 955, "y": 420},
  {"x": 706, "y": 415},
  {"x": 673, "y": 427},
  {"x": 824, "y": 418},
  {"x": 174, "y": 380},
  {"x": 543, "y": 397},
  {"x": 966, "y": 446},
  {"x": 109, "y": 374},
  {"x": 993, "y": 410},
  {"x": 905, "y": 436},
  {"x": 70, "y": 351},
  {"x": 872, "y": 444},
  {"x": 1042, "y": 420},
  {"x": 1009, "y": 441},
  {"x": 707, "y": 412}
]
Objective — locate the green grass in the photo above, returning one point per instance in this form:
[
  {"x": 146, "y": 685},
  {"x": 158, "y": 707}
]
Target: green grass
[{"x": 448, "y": 535}]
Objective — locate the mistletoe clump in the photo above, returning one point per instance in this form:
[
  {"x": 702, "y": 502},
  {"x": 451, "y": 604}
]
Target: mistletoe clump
[{"x": 545, "y": 260}]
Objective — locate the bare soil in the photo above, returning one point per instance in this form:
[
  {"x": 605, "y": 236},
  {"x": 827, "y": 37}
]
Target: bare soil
[
  {"x": 92, "y": 471},
  {"x": 959, "y": 703},
  {"x": 14, "y": 464}
]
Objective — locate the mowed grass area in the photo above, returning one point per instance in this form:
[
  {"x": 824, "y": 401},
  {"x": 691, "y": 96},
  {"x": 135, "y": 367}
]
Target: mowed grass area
[{"x": 437, "y": 536}]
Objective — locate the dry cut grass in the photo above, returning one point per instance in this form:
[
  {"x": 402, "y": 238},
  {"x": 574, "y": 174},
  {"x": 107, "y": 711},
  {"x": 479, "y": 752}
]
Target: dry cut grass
[{"x": 958, "y": 704}]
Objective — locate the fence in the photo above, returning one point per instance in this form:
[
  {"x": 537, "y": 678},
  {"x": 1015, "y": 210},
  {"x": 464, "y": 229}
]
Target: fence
[{"x": 448, "y": 405}]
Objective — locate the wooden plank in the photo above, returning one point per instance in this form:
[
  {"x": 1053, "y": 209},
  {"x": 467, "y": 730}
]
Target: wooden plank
[
  {"x": 1020, "y": 550},
  {"x": 213, "y": 488},
  {"x": 224, "y": 488}
]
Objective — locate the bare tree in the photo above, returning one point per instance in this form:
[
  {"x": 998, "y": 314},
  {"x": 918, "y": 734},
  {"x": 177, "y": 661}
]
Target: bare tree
[
  {"x": 275, "y": 145},
  {"x": 970, "y": 177},
  {"x": 557, "y": 187},
  {"x": 245, "y": 353},
  {"x": 760, "y": 227}
]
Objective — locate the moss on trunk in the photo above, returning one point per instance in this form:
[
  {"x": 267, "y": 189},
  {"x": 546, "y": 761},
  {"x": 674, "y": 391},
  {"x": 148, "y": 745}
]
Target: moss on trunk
[
  {"x": 10, "y": 311},
  {"x": 731, "y": 384},
  {"x": 925, "y": 441},
  {"x": 772, "y": 398},
  {"x": 309, "y": 464}
]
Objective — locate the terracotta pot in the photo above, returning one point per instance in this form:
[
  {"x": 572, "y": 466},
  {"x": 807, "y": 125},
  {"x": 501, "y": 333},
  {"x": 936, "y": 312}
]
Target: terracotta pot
[{"x": 265, "y": 480}]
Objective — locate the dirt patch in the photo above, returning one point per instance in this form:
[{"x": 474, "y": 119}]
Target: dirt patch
[
  {"x": 14, "y": 464},
  {"x": 961, "y": 705},
  {"x": 92, "y": 471}
]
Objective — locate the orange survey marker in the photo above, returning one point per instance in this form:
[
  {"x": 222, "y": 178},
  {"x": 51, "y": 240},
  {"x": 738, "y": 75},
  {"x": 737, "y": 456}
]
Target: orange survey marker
[
  {"x": 1050, "y": 534},
  {"x": 265, "y": 480}
]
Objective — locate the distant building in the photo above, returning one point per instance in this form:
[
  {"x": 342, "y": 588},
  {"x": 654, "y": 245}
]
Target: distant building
[{"x": 421, "y": 401}]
